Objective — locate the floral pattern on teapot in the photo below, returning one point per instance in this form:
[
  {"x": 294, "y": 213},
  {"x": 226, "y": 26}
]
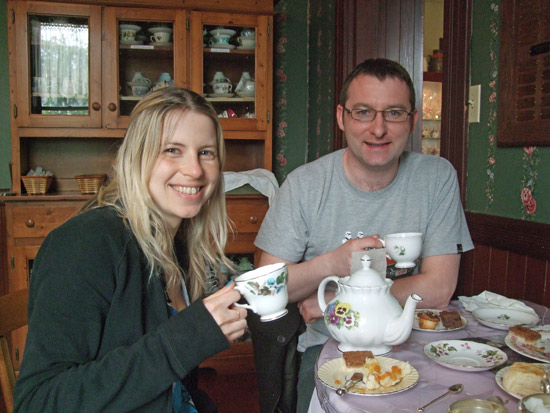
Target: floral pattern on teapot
[{"x": 341, "y": 314}]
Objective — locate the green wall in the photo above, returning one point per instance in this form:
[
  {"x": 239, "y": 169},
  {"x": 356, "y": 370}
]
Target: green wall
[
  {"x": 304, "y": 77},
  {"x": 498, "y": 176},
  {"x": 5, "y": 136}
]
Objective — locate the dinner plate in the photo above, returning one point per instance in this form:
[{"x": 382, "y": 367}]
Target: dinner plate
[
  {"x": 503, "y": 318},
  {"x": 465, "y": 355},
  {"x": 500, "y": 373},
  {"x": 439, "y": 328},
  {"x": 539, "y": 350},
  {"x": 217, "y": 32},
  {"x": 334, "y": 374}
]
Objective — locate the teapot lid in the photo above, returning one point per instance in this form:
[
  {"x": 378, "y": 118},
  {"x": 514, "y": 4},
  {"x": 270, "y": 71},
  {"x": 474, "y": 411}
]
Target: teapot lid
[{"x": 365, "y": 277}]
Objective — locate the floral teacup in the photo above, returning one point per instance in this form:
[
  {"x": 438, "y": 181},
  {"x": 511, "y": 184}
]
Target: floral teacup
[{"x": 265, "y": 289}]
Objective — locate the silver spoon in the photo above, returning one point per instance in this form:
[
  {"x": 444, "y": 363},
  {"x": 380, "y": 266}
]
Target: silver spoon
[
  {"x": 353, "y": 380},
  {"x": 455, "y": 388}
]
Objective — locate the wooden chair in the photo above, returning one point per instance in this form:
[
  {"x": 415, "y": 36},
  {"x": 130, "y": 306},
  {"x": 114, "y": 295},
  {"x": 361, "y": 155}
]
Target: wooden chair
[{"x": 13, "y": 315}]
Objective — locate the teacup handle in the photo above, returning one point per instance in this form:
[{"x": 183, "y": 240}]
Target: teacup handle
[
  {"x": 247, "y": 306},
  {"x": 384, "y": 245}
]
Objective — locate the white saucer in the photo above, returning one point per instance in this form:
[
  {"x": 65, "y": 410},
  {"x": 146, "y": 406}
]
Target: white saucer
[
  {"x": 465, "y": 355},
  {"x": 130, "y": 27},
  {"x": 222, "y": 46},
  {"x": 131, "y": 42},
  {"x": 245, "y": 48},
  {"x": 504, "y": 318},
  {"x": 221, "y": 95},
  {"x": 217, "y": 32},
  {"x": 244, "y": 94},
  {"x": 160, "y": 29},
  {"x": 162, "y": 43}
]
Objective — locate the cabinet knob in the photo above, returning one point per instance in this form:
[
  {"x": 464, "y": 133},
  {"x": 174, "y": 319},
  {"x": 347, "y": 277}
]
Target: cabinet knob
[
  {"x": 29, "y": 223},
  {"x": 112, "y": 107},
  {"x": 253, "y": 219},
  {"x": 96, "y": 106}
]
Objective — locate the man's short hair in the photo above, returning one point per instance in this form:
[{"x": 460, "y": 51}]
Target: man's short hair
[{"x": 381, "y": 69}]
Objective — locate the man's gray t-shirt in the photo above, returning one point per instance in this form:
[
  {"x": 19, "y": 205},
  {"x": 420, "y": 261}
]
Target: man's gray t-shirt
[{"x": 316, "y": 208}]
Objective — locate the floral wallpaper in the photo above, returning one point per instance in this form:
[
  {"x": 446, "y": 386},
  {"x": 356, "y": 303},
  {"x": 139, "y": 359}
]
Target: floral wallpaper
[
  {"x": 303, "y": 83},
  {"x": 501, "y": 181}
]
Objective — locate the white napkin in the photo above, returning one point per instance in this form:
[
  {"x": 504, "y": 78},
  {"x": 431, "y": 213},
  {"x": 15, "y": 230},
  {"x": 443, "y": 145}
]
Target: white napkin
[
  {"x": 487, "y": 299},
  {"x": 261, "y": 180}
]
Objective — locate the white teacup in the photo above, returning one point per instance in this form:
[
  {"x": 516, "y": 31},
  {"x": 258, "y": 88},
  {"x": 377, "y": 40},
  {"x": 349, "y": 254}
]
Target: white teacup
[
  {"x": 265, "y": 289},
  {"x": 161, "y": 37},
  {"x": 219, "y": 39},
  {"x": 222, "y": 88},
  {"x": 247, "y": 42},
  {"x": 127, "y": 35},
  {"x": 404, "y": 248}
]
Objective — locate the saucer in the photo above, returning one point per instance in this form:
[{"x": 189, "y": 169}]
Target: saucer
[
  {"x": 217, "y": 32},
  {"x": 162, "y": 43},
  {"x": 222, "y": 46},
  {"x": 439, "y": 328},
  {"x": 131, "y": 42},
  {"x": 130, "y": 27},
  {"x": 465, "y": 355},
  {"x": 220, "y": 95},
  {"x": 503, "y": 318},
  {"x": 244, "y": 94},
  {"x": 160, "y": 29}
]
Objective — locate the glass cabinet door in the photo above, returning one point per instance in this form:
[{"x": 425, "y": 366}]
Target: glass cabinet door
[
  {"x": 231, "y": 54},
  {"x": 144, "y": 50},
  {"x": 61, "y": 52}
]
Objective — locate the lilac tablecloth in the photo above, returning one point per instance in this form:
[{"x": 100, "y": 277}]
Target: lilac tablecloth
[{"x": 434, "y": 378}]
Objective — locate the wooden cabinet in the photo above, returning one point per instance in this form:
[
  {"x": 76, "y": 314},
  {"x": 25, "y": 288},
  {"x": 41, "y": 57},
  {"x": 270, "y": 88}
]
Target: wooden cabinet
[
  {"x": 27, "y": 224},
  {"x": 71, "y": 75}
]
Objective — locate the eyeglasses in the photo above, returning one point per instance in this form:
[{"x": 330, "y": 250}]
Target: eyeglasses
[{"x": 368, "y": 115}]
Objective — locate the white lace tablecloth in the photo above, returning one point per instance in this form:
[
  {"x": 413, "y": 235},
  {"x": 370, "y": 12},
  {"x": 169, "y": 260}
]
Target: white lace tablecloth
[{"x": 434, "y": 378}]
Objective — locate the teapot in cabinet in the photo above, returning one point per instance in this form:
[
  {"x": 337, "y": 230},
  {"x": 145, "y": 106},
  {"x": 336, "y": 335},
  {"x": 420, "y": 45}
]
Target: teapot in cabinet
[{"x": 364, "y": 315}]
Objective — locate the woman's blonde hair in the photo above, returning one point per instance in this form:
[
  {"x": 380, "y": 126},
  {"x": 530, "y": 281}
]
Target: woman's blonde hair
[{"x": 205, "y": 235}]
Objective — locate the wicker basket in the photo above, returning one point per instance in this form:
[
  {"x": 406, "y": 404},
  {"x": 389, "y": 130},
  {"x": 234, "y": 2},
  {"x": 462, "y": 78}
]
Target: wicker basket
[
  {"x": 90, "y": 184},
  {"x": 37, "y": 185}
]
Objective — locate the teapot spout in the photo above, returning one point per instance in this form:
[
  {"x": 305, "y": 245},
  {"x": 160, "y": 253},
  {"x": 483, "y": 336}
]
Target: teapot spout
[{"x": 399, "y": 329}]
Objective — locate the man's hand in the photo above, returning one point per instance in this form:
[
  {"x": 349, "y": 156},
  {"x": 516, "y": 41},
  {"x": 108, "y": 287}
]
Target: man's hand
[{"x": 309, "y": 306}]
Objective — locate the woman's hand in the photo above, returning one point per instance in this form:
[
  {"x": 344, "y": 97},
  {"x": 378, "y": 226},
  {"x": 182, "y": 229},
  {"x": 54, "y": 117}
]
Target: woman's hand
[{"x": 230, "y": 318}]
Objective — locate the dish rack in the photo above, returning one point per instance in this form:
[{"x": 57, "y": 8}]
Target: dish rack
[
  {"x": 37, "y": 184},
  {"x": 90, "y": 184}
]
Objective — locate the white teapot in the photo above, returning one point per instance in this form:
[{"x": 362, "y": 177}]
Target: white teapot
[{"x": 364, "y": 315}]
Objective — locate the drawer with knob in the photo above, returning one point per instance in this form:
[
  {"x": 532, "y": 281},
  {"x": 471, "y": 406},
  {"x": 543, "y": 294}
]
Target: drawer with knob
[
  {"x": 38, "y": 221},
  {"x": 246, "y": 214}
]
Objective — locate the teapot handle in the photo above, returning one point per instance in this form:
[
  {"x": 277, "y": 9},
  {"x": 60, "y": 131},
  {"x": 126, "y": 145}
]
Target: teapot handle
[{"x": 321, "y": 291}]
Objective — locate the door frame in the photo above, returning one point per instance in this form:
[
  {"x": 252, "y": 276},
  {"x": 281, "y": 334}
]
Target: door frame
[{"x": 371, "y": 19}]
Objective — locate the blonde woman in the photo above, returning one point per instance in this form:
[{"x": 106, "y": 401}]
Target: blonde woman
[{"x": 117, "y": 318}]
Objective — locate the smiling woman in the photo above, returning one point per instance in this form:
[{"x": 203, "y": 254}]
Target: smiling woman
[{"x": 117, "y": 293}]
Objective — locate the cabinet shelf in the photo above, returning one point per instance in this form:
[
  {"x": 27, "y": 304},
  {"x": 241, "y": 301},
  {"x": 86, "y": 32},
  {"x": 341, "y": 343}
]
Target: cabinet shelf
[
  {"x": 433, "y": 77},
  {"x": 229, "y": 51},
  {"x": 235, "y": 99}
]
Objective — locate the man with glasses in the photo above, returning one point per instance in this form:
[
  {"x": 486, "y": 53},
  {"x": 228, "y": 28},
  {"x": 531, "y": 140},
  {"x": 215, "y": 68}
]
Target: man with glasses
[{"x": 373, "y": 187}]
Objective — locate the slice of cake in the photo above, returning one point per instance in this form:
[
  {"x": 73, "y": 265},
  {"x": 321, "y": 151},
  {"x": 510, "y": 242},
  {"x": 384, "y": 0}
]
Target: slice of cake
[
  {"x": 525, "y": 334},
  {"x": 523, "y": 378},
  {"x": 356, "y": 358},
  {"x": 450, "y": 319}
]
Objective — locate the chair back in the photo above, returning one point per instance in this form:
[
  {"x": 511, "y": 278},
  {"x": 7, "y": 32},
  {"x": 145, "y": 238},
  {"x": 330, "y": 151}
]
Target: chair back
[{"x": 13, "y": 315}]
